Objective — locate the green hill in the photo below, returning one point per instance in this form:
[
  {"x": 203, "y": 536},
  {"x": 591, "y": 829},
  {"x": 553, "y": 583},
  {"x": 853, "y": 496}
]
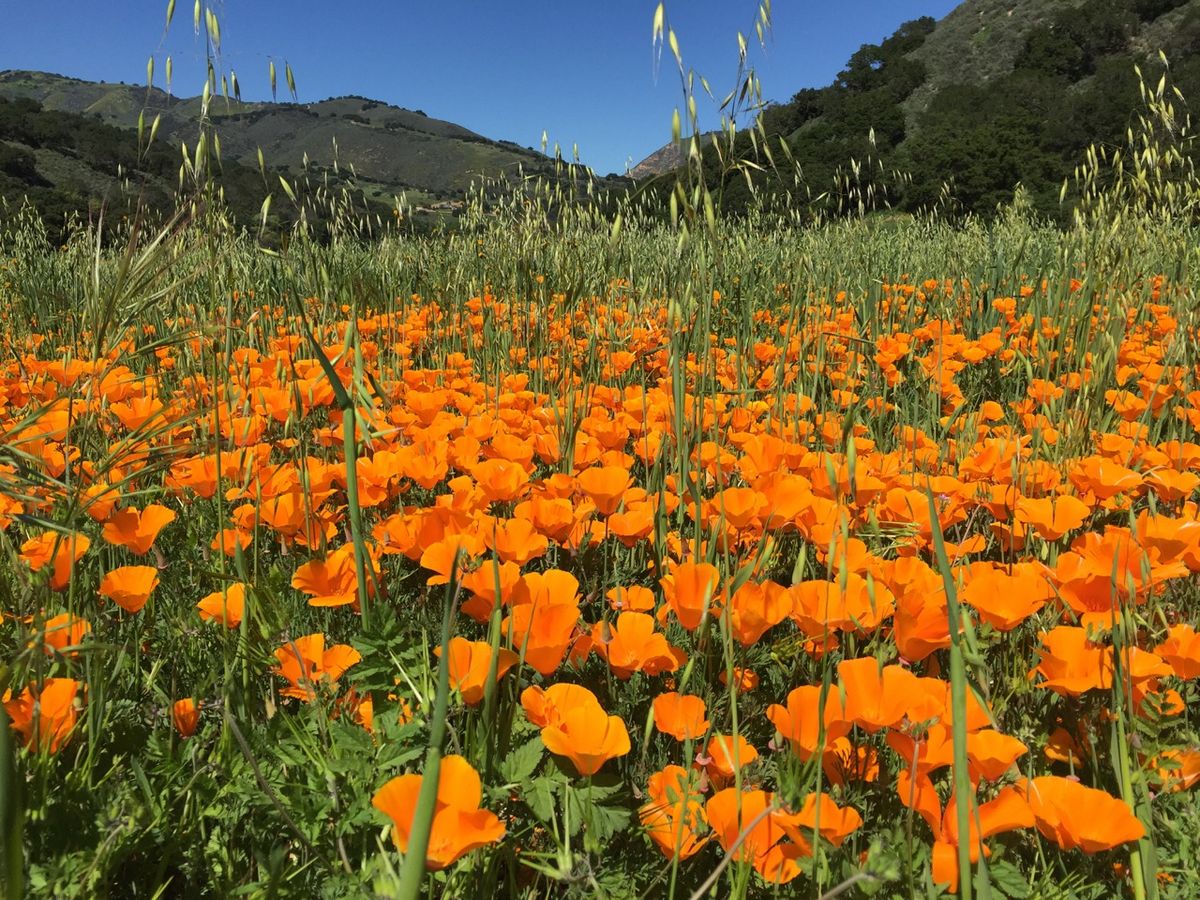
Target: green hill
[
  {"x": 996, "y": 94},
  {"x": 388, "y": 151}
]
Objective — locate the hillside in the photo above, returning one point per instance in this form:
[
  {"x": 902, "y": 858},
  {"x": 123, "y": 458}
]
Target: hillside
[
  {"x": 390, "y": 150},
  {"x": 996, "y": 94}
]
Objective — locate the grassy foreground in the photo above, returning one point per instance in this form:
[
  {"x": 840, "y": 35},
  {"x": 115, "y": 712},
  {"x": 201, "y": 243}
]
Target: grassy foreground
[{"x": 553, "y": 558}]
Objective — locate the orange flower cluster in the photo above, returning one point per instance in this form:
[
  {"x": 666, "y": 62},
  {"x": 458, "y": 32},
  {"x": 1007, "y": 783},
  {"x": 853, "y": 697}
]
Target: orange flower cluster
[{"x": 744, "y": 522}]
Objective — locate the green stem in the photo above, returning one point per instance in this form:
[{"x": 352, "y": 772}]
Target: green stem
[{"x": 412, "y": 873}]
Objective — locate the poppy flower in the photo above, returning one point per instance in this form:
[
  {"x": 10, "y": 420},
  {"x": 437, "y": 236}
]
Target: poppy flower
[
  {"x": 552, "y": 516},
  {"x": 542, "y": 632},
  {"x": 185, "y": 715},
  {"x": 680, "y": 715},
  {"x": 1062, "y": 747},
  {"x": 547, "y": 707},
  {"x": 306, "y": 663},
  {"x": 1008, "y": 811},
  {"x": 673, "y": 816},
  {"x": 605, "y": 486},
  {"x": 469, "y": 665},
  {"x": 1103, "y": 477},
  {"x": 990, "y": 754},
  {"x": 853, "y": 603},
  {"x": 632, "y": 645},
  {"x": 1181, "y": 651},
  {"x": 59, "y": 551},
  {"x": 544, "y": 588},
  {"x": 575, "y": 726},
  {"x": 491, "y": 583},
  {"x": 459, "y": 824},
  {"x": 630, "y": 599},
  {"x": 1075, "y": 816},
  {"x": 136, "y": 529},
  {"x": 802, "y": 720},
  {"x": 500, "y": 480},
  {"x": 332, "y": 581},
  {"x": 743, "y": 679},
  {"x": 1052, "y": 517},
  {"x": 63, "y": 631},
  {"x": 724, "y": 755},
  {"x": 129, "y": 586},
  {"x": 820, "y": 814},
  {"x": 690, "y": 590},
  {"x": 1175, "y": 770},
  {"x": 226, "y": 606},
  {"x": 44, "y": 717},
  {"x": 880, "y": 698},
  {"x": 515, "y": 540},
  {"x": 765, "y": 846},
  {"x": 634, "y": 525},
  {"x": 844, "y": 762},
  {"x": 1072, "y": 664},
  {"x": 754, "y": 608},
  {"x": 1006, "y": 599}
]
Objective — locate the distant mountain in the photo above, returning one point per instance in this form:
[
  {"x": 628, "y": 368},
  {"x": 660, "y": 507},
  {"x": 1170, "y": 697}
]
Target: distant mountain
[
  {"x": 666, "y": 158},
  {"x": 998, "y": 93},
  {"x": 389, "y": 149}
]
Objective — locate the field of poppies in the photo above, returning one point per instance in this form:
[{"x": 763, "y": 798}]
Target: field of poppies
[{"x": 546, "y": 559}]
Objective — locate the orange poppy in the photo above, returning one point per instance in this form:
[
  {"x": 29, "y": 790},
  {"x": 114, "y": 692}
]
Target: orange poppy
[
  {"x": 1072, "y": 664},
  {"x": 605, "y": 486},
  {"x": 306, "y": 664},
  {"x": 630, "y": 599},
  {"x": 62, "y": 632},
  {"x": 680, "y": 715},
  {"x": 226, "y": 606},
  {"x": 743, "y": 679},
  {"x": 765, "y": 846},
  {"x": 515, "y": 540},
  {"x": 802, "y": 720},
  {"x": 135, "y": 529},
  {"x": 724, "y": 755},
  {"x": 1008, "y": 811},
  {"x": 500, "y": 480},
  {"x": 129, "y": 586},
  {"x": 754, "y": 608},
  {"x": 459, "y": 824},
  {"x": 634, "y": 646},
  {"x": 819, "y": 814},
  {"x": 1181, "y": 651},
  {"x": 853, "y": 603},
  {"x": 991, "y": 755},
  {"x": 1176, "y": 770},
  {"x": 674, "y": 815},
  {"x": 1052, "y": 517},
  {"x": 575, "y": 726},
  {"x": 46, "y": 716},
  {"x": 542, "y": 632},
  {"x": 1078, "y": 817},
  {"x": 690, "y": 591},
  {"x": 333, "y": 581},
  {"x": 880, "y": 698},
  {"x": 469, "y": 665},
  {"x": 844, "y": 762},
  {"x": 185, "y": 715},
  {"x": 1005, "y": 599},
  {"x": 59, "y": 551}
]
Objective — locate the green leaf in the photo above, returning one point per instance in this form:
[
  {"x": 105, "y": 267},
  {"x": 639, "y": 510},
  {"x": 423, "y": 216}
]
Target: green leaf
[
  {"x": 1007, "y": 878},
  {"x": 539, "y": 797},
  {"x": 522, "y": 762}
]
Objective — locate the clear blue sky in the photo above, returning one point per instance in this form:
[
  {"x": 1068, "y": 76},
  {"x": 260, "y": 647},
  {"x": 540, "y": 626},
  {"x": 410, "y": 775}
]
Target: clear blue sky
[{"x": 581, "y": 71}]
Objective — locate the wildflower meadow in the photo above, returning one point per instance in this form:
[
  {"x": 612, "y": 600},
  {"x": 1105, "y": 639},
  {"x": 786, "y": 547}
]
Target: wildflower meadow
[{"x": 599, "y": 551}]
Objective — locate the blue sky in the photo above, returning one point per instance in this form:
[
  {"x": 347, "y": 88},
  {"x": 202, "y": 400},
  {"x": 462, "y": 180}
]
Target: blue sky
[{"x": 581, "y": 71}]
